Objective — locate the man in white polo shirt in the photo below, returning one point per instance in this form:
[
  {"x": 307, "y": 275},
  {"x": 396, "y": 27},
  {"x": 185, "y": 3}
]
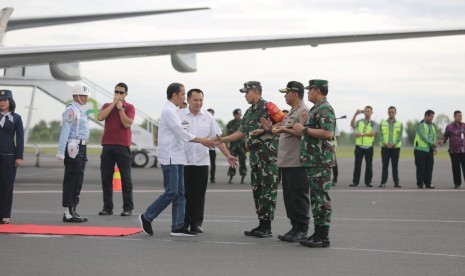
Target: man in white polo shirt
[{"x": 200, "y": 123}]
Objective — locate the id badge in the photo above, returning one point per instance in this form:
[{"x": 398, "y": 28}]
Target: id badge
[{"x": 73, "y": 150}]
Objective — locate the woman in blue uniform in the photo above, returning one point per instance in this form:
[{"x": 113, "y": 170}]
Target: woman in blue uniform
[{"x": 11, "y": 153}]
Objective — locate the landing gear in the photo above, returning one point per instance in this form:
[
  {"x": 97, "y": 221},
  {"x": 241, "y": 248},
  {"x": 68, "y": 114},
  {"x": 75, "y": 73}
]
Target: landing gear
[{"x": 139, "y": 159}]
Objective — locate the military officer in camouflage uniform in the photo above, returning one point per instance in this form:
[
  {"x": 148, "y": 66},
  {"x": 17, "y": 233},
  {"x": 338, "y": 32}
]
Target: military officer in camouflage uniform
[
  {"x": 318, "y": 155},
  {"x": 263, "y": 147},
  {"x": 236, "y": 148}
]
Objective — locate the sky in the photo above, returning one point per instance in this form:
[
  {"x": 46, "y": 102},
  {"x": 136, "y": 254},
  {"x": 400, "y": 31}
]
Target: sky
[{"x": 413, "y": 75}]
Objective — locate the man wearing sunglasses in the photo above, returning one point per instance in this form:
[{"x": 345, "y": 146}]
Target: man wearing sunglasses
[{"x": 116, "y": 140}]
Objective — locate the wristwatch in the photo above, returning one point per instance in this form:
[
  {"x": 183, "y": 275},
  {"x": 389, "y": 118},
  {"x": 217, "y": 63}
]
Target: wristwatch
[{"x": 305, "y": 131}]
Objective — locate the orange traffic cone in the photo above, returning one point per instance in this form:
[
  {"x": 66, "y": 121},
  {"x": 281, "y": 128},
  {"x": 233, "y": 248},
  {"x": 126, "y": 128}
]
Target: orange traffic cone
[{"x": 116, "y": 180}]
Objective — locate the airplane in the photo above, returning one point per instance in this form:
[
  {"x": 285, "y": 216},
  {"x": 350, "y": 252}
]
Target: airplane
[{"x": 62, "y": 61}]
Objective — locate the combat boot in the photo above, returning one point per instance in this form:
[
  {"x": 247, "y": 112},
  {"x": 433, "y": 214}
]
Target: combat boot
[
  {"x": 318, "y": 239},
  {"x": 253, "y": 231},
  {"x": 242, "y": 179},
  {"x": 265, "y": 230}
]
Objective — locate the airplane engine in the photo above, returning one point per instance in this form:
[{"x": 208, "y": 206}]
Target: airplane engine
[
  {"x": 184, "y": 61},
  {"x": 69, "y": 71}
]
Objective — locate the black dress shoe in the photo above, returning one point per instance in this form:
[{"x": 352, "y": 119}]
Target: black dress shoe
[
  {"x": 382, "y": 185},
  {"x": 288, "y": 234},
  {"x": 369, "y": 185},
  {"x": 105, "y": 212},
  {"x": 74, "y": 219},
  {"x": 397, "y": 186},
  {"x": 196, "y": 229},
  {"x": 126, "y": 213},
  {"x": 430, "y": 187},
  {"x": 353, "y": 185},
  {"x": 297, "y": 237}
]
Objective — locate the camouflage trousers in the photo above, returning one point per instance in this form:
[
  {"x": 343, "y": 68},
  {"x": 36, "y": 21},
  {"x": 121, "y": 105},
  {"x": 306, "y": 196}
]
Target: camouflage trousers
[
  {"x": 265, "y": 179},
  {"x": 240, "y": 154},
  {"x": 320, "y": 182}
]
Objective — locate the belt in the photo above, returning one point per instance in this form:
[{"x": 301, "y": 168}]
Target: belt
[{"x": 78, "y": 141}]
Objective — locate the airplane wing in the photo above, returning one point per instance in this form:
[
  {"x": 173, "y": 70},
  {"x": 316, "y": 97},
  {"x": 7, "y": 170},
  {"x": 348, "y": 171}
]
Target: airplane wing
[
  {"x": 27, "y": 23},
  {"x": 22, "y": 56}
]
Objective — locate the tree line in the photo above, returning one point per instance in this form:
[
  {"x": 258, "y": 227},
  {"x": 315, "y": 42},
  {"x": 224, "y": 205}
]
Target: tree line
[{"x": 49, "y": 133}]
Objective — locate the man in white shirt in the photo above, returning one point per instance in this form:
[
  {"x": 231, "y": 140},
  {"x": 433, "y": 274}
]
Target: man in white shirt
[
  {"x": 200, "y": 123},
  {"x": 172, "y": 157}
]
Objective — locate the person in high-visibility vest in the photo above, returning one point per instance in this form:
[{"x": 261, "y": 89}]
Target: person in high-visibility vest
[
  {"x": 365, "y": 131},
  {"x": 390, "y": 140},
  {"x": 425, "y": 145}
]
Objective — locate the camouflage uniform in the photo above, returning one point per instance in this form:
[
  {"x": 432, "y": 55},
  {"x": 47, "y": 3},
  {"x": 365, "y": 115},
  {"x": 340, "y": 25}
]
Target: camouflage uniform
[
  {"x": 236, "y": 148},
  {"x": 318, "y": 155},
  {"x": 263, "y": 153}
]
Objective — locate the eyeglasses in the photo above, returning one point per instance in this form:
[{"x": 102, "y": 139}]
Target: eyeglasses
[{"x": 120, "y": 92}]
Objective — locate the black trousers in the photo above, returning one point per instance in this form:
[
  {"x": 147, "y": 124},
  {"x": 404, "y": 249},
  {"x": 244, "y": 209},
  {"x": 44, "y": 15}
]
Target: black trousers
[
  {"x": 195, "y": 182},
  {"x": 74, "y": 176},
  {"x": 296, "y": 195},
  {"x": 393, "y": 156},
  {"x": 424, "y": 161},
  {"x": 7, "y": 181},
  {"x": 457, "y": 159},
  {"x": 212, "y": 164},
  {"x": 121, "y": 156},
  {"x": 359, "y": 154}
]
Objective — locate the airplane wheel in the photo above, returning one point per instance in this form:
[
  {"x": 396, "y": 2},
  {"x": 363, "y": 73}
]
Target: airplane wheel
[{"x": 139, "y": 159}]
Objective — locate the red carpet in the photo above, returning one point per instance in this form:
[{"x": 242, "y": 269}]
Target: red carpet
[{"x": 67, "y": 230}]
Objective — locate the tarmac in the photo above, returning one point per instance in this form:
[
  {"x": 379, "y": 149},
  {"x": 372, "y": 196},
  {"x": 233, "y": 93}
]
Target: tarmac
[{"x": 374, "y": 231}]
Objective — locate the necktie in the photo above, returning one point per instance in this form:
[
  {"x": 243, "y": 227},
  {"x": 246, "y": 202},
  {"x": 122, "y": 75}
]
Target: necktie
[{"x": 3, "y": 118}]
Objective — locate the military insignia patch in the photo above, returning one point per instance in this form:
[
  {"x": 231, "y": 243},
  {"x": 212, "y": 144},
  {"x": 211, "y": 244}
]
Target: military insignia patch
[
  {"x": 70, "y": 115},
  {"x": 303, "y": 117}
]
